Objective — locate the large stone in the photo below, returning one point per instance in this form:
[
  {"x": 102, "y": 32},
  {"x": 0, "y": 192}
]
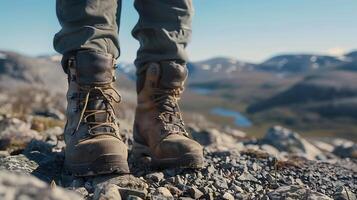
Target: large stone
[
  {"x": 195, "y": 193},
  {"x": 246, "y": 176},
  {"x": 295, "y": 192},
  {"x": 227, "y": 196},
  {"x": 107, "y": 192},
  {"x": 323, "y": 146},
  {"x": 155, "y": 176},
  {"x": 163, "y": 192},
  {"x": 18, "y": 163},
  {"x": 128, "y": 184},
  {"x": 217, "y": 139},
  {"x": 288, "y": 141},
  {"x": 346, "y": 150},
  {"x": 15, "y": 186},
  {"x": 343, "y": 193}
]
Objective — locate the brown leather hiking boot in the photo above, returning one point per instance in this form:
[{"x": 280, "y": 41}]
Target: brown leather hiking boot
[
  {"x": 93, "y": 143},
  {"x": 159, "y": 131}
]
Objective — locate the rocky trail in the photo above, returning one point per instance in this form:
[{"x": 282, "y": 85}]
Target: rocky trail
[{"x": 282, "y": 165}]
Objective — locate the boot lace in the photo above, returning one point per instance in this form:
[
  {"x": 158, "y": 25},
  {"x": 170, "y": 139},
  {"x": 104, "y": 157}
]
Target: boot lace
[
  {"x": 95, "y": 94},
  {"x": 166, "y": 101}
]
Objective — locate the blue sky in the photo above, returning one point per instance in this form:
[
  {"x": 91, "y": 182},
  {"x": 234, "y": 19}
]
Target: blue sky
[{"x": 250, "y": 30}]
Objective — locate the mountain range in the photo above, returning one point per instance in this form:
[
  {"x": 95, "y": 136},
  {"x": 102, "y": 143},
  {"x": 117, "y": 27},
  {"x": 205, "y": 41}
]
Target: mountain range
[{"x": 300, "y": 90}]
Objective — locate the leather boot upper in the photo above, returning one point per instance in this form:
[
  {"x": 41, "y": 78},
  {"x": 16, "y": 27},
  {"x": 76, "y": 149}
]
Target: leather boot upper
[
  {"x": 92, "y": 129},
  {"x": 158, "y": 122}
]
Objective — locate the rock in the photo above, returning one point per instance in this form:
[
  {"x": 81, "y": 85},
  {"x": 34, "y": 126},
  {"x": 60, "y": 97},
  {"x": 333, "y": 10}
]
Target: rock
[
  {"x": 270, "y": 149},
  {"x": 128, "y": 184},
  {"x": 162, "y": 191},
  {"x": 323, "y": 146},
  {"x": 286, "y": 140},
  {"x": 195, "y": 193},
  {"x": 339, "y": 141},
  {"x": 16, "y": 134},
  {"x": 246, "y": 176},
  {"x": 4, "y": 154},
  {"x": 16, "y": 186},
  {"x": 19, "y": 163},
  {"x": 235, "y": 133},
  {"x": 156, "y": 176},
  {"x": 132, "y": 197},
  {"x": 220, "y": 182},
  {"x": 227, "y": 196},
  {"x": 346, "y": 150},
  {"x": 81, "y": 191},
  {"x": 343, "y": 193},
  {"x": 296, "y": 192},
  {"x": 174, "y": 190},
  {"x": 107, "y": 192},
  {"x": 237, "y": 189},
  {"x": 252, "y": 147},
  {"x": 220, "y": 140}
]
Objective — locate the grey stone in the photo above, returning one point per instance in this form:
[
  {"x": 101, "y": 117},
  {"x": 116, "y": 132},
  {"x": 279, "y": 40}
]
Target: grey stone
[
  {"x": 16, "y": 186},
  {"x": 162, "y": 191},
  {"x": 237, "y": 189},
  {"x": 346, "y": 150},
  {"x": 195, "y": 193},
  {"x": 128, "y": 184},
  {"x": 18, "y": 163},
  {"x": 227, "y": 196},
  {"x": 296, "y": 192},
  {"x": 81, "y": 191},
  {"x": 174, "y": 190},
  {"x": 270, "y": 149},
  {"x": 107, "y": 192},
  {"x": 132, "y": 197},
  {"x": 4, "y": 154},
  {"x": 286, "y": 140},
  {"x": 246, "y": 176},
  {"x": 156, "y": 176},
  {"x": 342, "y": 193}
]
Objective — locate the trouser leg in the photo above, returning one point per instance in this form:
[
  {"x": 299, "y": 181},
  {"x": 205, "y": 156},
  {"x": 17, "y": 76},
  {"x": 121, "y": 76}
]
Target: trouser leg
[
  {"x": 88, "y": 24},
  {"x": 163, "y": 30}
]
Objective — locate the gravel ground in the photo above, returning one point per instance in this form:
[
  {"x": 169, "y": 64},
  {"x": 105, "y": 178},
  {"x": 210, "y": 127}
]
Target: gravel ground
[{"x": 238, "y": 170}]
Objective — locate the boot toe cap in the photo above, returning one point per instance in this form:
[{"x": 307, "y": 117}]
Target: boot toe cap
[{"x": 175, "y": 146}]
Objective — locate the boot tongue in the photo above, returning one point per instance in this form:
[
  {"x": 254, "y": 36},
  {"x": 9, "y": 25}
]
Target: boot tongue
[
  {"x": 173, "y": 75},
  {"x": 97, "y": 103}
]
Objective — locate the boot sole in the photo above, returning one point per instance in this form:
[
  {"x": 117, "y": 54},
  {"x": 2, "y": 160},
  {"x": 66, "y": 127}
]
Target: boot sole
[
  {"x": 186, "y": 161},
  {"x": 106, "y": 164}
]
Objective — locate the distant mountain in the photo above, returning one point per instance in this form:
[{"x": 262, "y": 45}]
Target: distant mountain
[
  {"x": 317, "y": 93},
  {"x": 352, "y": 55},
  {"x": 299, "y": 63},
  {"x": 214, "y": 69},
  {"x": 350, "y": 61}
]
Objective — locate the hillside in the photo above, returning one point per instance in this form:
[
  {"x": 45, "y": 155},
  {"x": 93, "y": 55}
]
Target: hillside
[
  {"x": 286, "y": 89},
  {"x": 332, "y": 86},
  {"x": 280, "y": 164}
]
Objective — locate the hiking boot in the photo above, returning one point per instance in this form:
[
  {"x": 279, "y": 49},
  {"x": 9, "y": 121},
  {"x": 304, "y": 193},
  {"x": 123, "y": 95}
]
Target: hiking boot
[
  {"x": 159, "y": 130},
  {"x": 93, "y": 142}
]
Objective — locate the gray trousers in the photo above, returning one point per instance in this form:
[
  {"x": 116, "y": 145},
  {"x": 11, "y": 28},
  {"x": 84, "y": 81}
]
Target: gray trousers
[{"x": 163, "y": 28}]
